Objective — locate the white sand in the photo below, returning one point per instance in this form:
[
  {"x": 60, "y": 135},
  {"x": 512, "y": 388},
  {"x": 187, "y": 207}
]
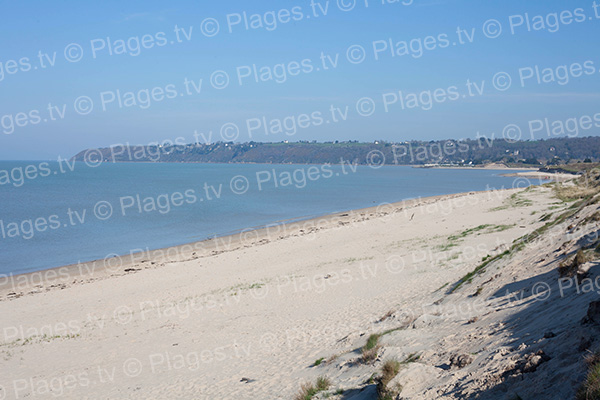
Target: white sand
[
  {"x": 538, "y": 175},
  {"x": 267, "y": 305}
]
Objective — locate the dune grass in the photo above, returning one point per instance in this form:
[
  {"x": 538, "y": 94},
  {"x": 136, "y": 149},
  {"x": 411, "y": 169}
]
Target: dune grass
[
  {"x": 309, "y": 390},
  {"x": 389, "y": 370},
  {"x": 319, "y": 361},
  {"x": 370, "y": 350},
  {"x": 468, "y": 278},
  {"x": 520, "y": 243},
  {"x": 515, "y": 200},
  {"x": 590, "y": 389}
]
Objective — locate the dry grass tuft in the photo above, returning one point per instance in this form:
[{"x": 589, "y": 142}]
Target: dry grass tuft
[
  {"x": 370, "y": 350},
  {"x": 308, "y": 390},
  {"x": 386, "y": 316},
  {"x": 570, "y": 268},
  {"x": 370, "y": 355},
  {"x": 587, "y": 186},
  {"x": 572, "y": 193},
  {"x": 590, "y": 389},
  {"x": 389, "y": 370},
  {"x": 595, "y": 217}
]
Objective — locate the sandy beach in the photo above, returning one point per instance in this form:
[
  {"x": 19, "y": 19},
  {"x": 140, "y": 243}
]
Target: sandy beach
[
  {"x": 492, "y": 166},
  {"x": 246, "y": 316},
  {"x": 302, "y": 200},
  {"x": 542, "y": 176},
  {"x": 526, "y": 173}
]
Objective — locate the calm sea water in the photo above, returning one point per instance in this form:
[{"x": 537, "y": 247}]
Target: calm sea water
[{"x": 68, "y": 216}]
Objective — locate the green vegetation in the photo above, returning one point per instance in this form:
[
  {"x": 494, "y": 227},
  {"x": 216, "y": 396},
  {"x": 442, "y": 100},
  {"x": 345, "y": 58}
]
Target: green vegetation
[
  {"x": 389, "y": 370},
  {"x": 411, "y": 358},
  {"x": 441, "y": 287},
  {"x": 467, "y": 232},
  {"x": 308, "y": 390},
  {"x": 370, "y": 350},
  {"x": 445, "y": 246},
  {"x": 572, "y": 168},
  {"x": 586, "y": 189},
  {"x": 515, "y": 200},
  {"x": 469, "y": 151},
  {"x": 590, "y": 389},
  {"x": 518, "y": 245},
  {"x": 372, "y": 341},
  {"x": 391, "y": 331},
  {"x": 454, "y": 240},
  {"x": 569, "y": 194},
  {"x": 499, "y": 228},
  {"x": 319, "y": 361},
  {"x": 545, "y": 217},
  {"x": 353, "y": 260},
  {"x": 256, "y": 286},
  {"x": 468, "y": 278},
  {"x": 38, "y": 339},
  {"x": 244, "y": 287}
]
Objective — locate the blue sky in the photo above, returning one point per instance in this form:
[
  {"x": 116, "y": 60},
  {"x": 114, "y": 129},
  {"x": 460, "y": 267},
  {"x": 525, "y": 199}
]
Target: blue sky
[{"x": 28, "y": 27}]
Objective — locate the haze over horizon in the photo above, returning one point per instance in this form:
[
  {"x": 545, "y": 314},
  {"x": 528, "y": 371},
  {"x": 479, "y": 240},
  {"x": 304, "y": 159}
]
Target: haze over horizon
[{"x": 87, "y": 76}]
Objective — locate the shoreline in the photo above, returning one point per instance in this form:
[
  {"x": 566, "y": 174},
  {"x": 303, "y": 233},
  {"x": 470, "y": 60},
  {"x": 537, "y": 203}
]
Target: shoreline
[
  {"x": 488, "y": 167},
  {"x": 558, "y": 177},
  {"x": 119, "y": 265},
  {"x": 247, "y": 315}
]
